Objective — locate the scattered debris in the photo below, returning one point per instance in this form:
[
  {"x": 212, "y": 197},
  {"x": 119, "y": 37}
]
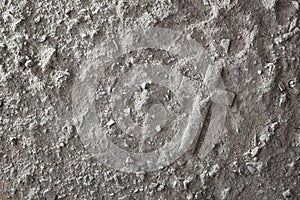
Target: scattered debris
[
  {"x": 46, "y": 57},
  {"x": 287, "y": 194},
  {"x": 3, "y": 195},
  {"x": 29, "y": 63},
  {"x": 49, "y": 195},
  {"x": 158, "y": 128},
  {"x": 253, "y": 152},
  {"x": 298, "y": 140},
  {"x": 253, "y": 166},
  {"x": 225, "y": 193},
  {"x": 206, "y": 2},
  {"x": 110, "y": 122},
  {"x": 153, "y": 186},
  {"x": 29, "y": 159},
  {"x": 59, "y": 77},
  {"x": 293, "y": 24},
  {"x": 292, "y": 83},
  {"x": 141, "y": 175},
  {"x": 160, "y": 187},
  {"x": 214, "y": 170},
  {"x": 267, "y": 132},
  {"x": 291, "y": 168},
  {"x": 251, "y": 169},
  {"x": 286, "y": 36},
  {"x": 269, "y": 4},
  {"x": 129, "y": 160},
  {"x": 259, "y": 72},
  {"x": 281, "y": 86},
  {"x": 282, "y": 100},
  {"x": 187, "y": 181},
  {"x": 9, "y": 18},
  {"x": 189, "y": 196},
  {"x": 225, "y": 44},
  {"x": 296, "y": 4},
  {"x": 127, "y": 111}
]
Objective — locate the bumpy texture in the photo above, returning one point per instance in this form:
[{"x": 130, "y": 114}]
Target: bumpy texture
[{"x": 254, "y": 47}]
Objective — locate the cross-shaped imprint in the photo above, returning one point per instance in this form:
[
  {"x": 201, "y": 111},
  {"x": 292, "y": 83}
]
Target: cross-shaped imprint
[{"x": 146, "y": 86}]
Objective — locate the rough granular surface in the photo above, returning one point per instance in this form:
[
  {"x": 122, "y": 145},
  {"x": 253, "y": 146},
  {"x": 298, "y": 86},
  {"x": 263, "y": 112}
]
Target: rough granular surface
[{"x": 156, "y": 99}]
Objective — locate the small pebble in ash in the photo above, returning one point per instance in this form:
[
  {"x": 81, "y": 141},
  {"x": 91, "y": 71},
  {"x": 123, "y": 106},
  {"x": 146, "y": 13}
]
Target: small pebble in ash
[
  {"x": 251, "y": 169},
  {"x": 49, "y": 195},
  {"x": 158, "y": 128},
  {"x": 292, "y": 83},
  {"x": 281, "y": 86},
  {"x": 29, "y": 63},
  {"x": 259, "y": 72},
  {"x": 282, "y": 100},
  {"x": 110, "y": 123},
  {"x": 287, "y": 194}
]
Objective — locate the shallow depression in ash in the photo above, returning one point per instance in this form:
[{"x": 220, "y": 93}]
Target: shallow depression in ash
[{"x": 141, "y": 117}]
